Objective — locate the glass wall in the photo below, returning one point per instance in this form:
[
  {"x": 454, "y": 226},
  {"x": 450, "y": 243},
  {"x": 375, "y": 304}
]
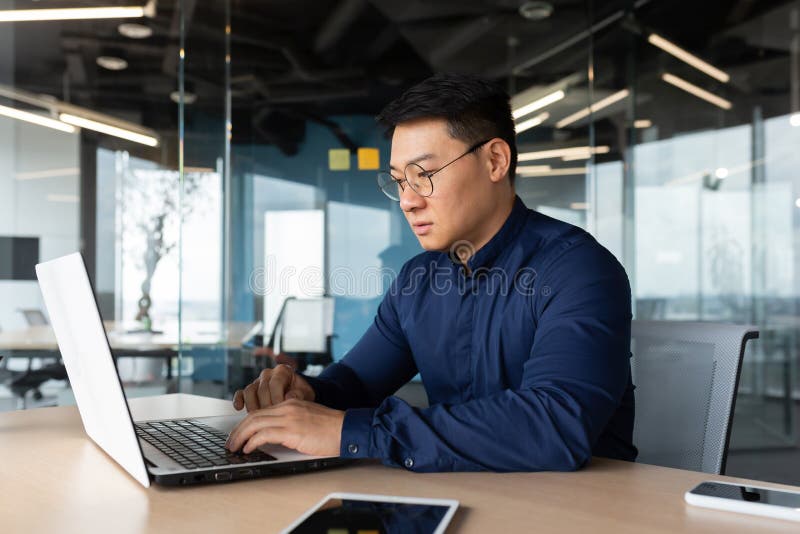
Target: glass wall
[{"x": 89, "y": 137}]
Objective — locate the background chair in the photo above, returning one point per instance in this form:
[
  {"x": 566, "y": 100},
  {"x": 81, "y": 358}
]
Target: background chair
[
  {"x": 34, "y": 317},
  {"x": 27, "y": 384},
  {"x": 303, "y": 331},
  {"x": 686, "y": 375}
]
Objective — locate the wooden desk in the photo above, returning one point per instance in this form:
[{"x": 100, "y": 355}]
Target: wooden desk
[{"x": 54, "y": 479}]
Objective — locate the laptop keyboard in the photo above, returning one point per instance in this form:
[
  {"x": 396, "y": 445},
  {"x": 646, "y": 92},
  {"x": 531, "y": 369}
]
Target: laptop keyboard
[{"x": 194, "y": 445}]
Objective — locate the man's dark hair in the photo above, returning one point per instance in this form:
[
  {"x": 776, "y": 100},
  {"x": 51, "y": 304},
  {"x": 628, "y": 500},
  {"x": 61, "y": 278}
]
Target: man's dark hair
[{"x": 475, "y": 109}]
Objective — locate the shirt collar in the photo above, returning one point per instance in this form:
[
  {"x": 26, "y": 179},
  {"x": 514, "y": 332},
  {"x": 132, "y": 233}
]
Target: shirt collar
[{"x": 499, "y": 242}]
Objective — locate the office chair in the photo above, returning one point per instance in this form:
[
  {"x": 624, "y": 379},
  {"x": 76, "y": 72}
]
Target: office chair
[
  {"x": 304, "y": 331},
  {"x": 686, "y": 375},
  {"x": 34, "y": 317},
  {"x": 30, "y": 381}
]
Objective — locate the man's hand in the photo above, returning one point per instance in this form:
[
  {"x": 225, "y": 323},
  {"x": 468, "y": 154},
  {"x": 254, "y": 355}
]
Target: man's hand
[
  {"x": 272, "y": 387},
  {"x": 304, "y": 426}
]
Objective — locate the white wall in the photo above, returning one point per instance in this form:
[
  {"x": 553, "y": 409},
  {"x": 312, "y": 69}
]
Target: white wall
[{"x": 46, "y": 208}]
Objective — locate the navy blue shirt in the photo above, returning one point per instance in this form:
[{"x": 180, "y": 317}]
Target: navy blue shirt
[{"x": 524, "y": 354}]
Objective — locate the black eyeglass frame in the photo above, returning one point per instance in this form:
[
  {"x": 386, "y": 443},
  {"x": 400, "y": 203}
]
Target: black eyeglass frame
[{"x": 428, "y": 174}]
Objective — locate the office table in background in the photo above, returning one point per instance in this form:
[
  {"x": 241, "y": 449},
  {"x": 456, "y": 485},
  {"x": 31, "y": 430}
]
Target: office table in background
[
  {"x": 40, "y": 341},
  {"x": 121, "y": 339},
  {"x": 54, "y": 479}
]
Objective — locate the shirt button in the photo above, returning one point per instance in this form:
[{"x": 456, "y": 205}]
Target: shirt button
[
  {"x": 409, "y": 463},
  {"x": 352, "y": 448}
]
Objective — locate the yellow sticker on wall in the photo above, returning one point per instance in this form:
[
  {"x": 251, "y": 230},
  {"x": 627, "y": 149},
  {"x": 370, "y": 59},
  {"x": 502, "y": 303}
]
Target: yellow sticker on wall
[
  {"x": 339, "y": 159},
  {"x": 369, "y": 159}
]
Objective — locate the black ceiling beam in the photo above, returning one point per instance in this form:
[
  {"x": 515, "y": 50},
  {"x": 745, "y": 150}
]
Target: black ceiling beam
[
  {"x": 344, "y": 15},
  {"x": 150, "y": 48},
  {"x": 462, "y": 36}
]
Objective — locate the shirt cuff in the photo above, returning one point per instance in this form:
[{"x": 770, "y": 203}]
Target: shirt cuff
[{"x": 357, "y": 434}]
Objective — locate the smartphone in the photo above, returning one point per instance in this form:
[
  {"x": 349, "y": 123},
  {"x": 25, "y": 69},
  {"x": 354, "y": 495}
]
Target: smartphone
[
  {"x": 340, "y": 513},
  {"x": 767, "y": 502}
]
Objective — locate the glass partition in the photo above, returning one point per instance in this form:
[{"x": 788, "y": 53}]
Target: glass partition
[{"x": 88, "y": 130}]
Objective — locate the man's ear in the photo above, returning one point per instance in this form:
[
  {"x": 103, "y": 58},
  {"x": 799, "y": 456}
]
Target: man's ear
[{"x": 499, "y": 158}]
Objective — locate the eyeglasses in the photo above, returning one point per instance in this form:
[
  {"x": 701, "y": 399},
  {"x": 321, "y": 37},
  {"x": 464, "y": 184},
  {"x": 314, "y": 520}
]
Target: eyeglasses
[{"x": 415, "y": 176}]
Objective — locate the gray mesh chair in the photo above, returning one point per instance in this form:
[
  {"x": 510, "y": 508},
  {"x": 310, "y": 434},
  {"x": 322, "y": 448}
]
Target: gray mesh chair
[{"x": 686, "y": 375}]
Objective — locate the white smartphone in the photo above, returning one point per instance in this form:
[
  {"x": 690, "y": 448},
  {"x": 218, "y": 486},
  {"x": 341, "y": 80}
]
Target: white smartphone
[
  {"x": 767, "y": 502},
  {"x": 360, "y": 512}
]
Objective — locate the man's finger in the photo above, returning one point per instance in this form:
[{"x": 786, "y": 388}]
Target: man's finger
[
  {"x": 264, "y": 398},
  {"x": 238, "y": 399},
  {"x": 262, "y": 437},
  {"x": 247, "y": 427},
  {"x": 279, "y": 383},
  {"x": 251, "y": 397},
  {"x": 295, "y": 394}
]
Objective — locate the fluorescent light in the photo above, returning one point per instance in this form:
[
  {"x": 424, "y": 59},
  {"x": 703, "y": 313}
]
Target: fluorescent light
[
  {"x": 530, "y": 123},
  {"x": 112, "y": 63},
  {"x": 72, "y": 199},
  {"x": 538, "y": 104},
  {"x": 579, "y": 206},
  {"x": 133, "y": 30},
  {"x": 721, "y": 173},
  {"x": 688, "y": 58},
  {"x": 642, "y": 123},
  {"x": 564, "y": 152},
  {"x": 597, "y": 106},
  {"x": 696, "y": 91},
  {"x": 108, "y": 129},
  {"x": 577, "y": 157},
  {"x": 48, "y": 173},
  {"x": 76, "y": 13},
  {"x": 528, "y": 169},
  {"x": 794, "y": 120},
  {"x": 36, "y": 119},
  {"x": 566, "y": 171},
  {"x": 797, "y": 202}
]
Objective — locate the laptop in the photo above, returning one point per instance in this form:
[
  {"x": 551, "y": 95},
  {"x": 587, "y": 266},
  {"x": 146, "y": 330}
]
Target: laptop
[{"x": 171, "y": 452}]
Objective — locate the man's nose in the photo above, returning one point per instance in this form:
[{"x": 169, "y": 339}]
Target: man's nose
[{"x": 410, "y": 199}]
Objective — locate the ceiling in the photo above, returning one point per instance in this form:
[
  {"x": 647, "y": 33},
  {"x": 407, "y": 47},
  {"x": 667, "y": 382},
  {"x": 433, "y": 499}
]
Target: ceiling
[{"x": 311, "y": 60}]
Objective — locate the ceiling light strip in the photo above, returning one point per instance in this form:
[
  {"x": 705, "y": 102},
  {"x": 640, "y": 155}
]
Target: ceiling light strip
[
  {"x": 539, "y": 103},
  {"x": 680, "y": 83},
  {"x": 531, "y": 123},
  {"x": 686, "y": 57},
  {"x": 48, "y": 173},
  {"x": 36, "y": 119},
  {"x": 78, "y": 13},
  {"x": 564, "y": 152},
  {"x": 108, "y": 129},
  {"x": 597, "y": 106},
  {"x": 527, "y": 169},
  {"x": 567, "y": 171}
]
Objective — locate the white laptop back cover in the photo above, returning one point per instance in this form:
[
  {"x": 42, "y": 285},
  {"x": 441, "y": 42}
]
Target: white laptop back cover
[{"x": 87, "y": 357}]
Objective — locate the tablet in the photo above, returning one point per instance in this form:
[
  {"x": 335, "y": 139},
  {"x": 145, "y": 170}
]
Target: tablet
[{"x": 359, "y": 513}]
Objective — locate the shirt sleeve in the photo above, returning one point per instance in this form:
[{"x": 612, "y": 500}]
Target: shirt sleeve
[
  {"x": 573, "y": 381},
  {"x": 379, "y": 363}
]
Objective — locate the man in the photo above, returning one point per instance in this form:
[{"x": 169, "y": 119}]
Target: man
[{"x": 518, "y": 324}]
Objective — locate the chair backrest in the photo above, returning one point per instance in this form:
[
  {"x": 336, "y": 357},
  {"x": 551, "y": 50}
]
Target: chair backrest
[
  {"x": 686, "y": 375},
  {"x": 34, "y": 317},
  {"x": 304, "y": 325}
]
